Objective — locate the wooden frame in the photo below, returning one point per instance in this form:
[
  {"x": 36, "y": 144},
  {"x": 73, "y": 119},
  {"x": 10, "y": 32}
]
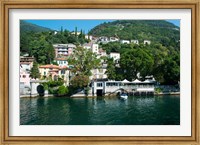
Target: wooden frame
[{"x": 7, "y": 4}]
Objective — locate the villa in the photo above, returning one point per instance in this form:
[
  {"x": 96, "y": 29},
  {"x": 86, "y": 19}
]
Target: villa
[{"x": 54, "y": 72}]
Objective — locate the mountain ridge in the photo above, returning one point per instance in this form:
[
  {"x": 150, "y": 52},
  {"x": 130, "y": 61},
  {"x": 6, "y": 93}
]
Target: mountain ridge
[{"x": 30, "y": 27}]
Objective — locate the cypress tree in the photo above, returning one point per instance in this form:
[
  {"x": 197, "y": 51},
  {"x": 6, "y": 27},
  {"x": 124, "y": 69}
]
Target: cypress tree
[{"x": 35, "y": 71}]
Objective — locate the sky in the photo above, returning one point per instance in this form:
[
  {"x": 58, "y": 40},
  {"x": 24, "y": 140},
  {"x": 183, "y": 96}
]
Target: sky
[{"x": 70, "y": 25}]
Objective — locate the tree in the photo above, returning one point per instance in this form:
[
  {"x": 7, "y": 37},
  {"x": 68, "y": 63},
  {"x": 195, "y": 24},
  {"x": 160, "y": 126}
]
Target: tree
[
  {"x": 136, "y": 61},
  {"x": 83, "y": 61},
  {"x": 35, "y": 71},
  {"x": 42, "y": 50},
  {"x": 171, "y": 70},
  {"x": 111, "y": 69},
  {"x": 80, "y": 81}
]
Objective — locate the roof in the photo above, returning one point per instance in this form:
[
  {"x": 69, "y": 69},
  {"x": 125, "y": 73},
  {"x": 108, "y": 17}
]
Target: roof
[
  {"x": 50, "y": 66},
  {"x": 125, "y": 81},
  {"x": 53, "y": 66},
  {"x": 25, "y": 63},
  {"x": 88, "y": 44},
  {"x": 60, "y": 58},
  {"x": 64, "y": 45},
  {"x": 136, "y": 81}
]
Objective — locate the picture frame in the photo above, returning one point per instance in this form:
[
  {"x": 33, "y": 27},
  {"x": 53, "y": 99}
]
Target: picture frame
[{"x": 6, "y": 5}]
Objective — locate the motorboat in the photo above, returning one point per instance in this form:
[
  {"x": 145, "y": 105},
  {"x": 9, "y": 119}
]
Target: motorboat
[{"x": 124, "y": 96}]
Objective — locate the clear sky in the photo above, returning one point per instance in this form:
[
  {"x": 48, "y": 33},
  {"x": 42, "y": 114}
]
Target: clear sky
[{"x": 70, "y": 25}]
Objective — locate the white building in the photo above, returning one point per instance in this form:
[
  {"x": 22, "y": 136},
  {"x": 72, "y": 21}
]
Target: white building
[
  {"x": 61, "y": 61},
  {"x": 89, "y": 37},
  {"x": 99, "y": 73},
  {"x": 125, "y": 41},
  {"x": 26, "y": 62},
  {"x": 95, "y": 48},
  {"x": 135, "y": 41},
  {"x": 103, "y": 39},
  {"x": 147, "y": 42},
  {"x": 113, "y": 39},
  {"x": 92, "y": 46},
  {"x": 115, "y": 56},
  {"x": 107, "y": 87}
]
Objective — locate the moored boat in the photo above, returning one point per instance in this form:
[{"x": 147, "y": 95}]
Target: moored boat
[{"x": 124, "y": 96}]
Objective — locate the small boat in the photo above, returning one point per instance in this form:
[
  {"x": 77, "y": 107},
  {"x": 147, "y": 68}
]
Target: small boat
[{"x": 124, "y": 96}]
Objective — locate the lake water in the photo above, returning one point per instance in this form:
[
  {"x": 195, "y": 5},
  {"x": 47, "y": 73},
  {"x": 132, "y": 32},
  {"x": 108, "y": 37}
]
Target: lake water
[{"x": 148, "y": 110}]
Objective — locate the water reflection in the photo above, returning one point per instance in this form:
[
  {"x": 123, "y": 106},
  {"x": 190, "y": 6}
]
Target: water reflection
[{"x": 148, "y": 110}]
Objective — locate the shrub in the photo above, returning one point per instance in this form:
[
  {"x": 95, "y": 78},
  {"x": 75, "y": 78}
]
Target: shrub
[{"x": 62, "y": 90}]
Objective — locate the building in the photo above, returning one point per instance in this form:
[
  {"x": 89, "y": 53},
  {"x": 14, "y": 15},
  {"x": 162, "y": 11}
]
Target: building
[
  {"x": 135, "y": 42},
  {"x": 24, "y": 77},
  {"x": 26, "y": 62},
  {"x": 92, "y": 46},
  {"x": 147, "y": 42},
  {"x": 99, "y": 73},
  {"x": 102, "y": 52},
  {"x": 103, "y": 39},
  {"x": 113, "y": 39},
  {"x": 54, "y": 72},
  {"x": 125, "y": 41},
  {"x": 115, "y": 56},
  {"x": 76, "y": 33},
  {"x": 95, "y": 48},
  {"x": 63, "y": 49},
  {"x": 89, "y": 37},
  {"x": 136, "y": 87},
  {"x": 61, "y": 61}
]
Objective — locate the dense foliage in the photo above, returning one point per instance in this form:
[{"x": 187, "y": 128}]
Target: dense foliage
[
  {"x": 157, "y": 31},
  {"x": 138, "y": 61},
  {"x": 39, "y": 43}
]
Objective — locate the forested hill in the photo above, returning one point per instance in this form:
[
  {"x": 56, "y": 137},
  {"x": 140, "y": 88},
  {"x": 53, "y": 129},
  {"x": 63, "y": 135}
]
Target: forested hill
[
  {"x": 155, "y": 30},
  {"x": 29, "y": 27}
]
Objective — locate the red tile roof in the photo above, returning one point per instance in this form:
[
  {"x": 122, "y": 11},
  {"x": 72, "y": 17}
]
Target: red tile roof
[{"x": 51, "y": 66}]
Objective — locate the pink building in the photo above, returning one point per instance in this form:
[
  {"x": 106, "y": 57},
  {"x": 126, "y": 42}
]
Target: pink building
[
  {"x": 26, "y": 63},
  {"x": 63, "y": 49},
  {"x": 25, "y": 78}
]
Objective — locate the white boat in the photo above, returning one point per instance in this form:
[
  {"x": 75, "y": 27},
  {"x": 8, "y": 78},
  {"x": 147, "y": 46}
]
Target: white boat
[{"x": 124, "y": 96}]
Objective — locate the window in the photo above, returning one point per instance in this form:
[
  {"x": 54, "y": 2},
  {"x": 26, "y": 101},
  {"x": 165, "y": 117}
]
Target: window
[
  {"x": 24, "y": 76},
  {"x": 44, "y": 73},
  {"x": 99, "y": 84},
  {"x": 62, "y": 71}
]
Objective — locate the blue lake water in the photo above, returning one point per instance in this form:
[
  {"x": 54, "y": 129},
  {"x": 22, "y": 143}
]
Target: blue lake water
[{"x": 146, "y": 110}]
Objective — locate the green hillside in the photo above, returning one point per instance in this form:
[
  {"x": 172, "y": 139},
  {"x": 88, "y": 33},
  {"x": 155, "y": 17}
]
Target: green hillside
[
  {"x": 28, "y": 27},
  {"x": 155, "y": 30}
]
